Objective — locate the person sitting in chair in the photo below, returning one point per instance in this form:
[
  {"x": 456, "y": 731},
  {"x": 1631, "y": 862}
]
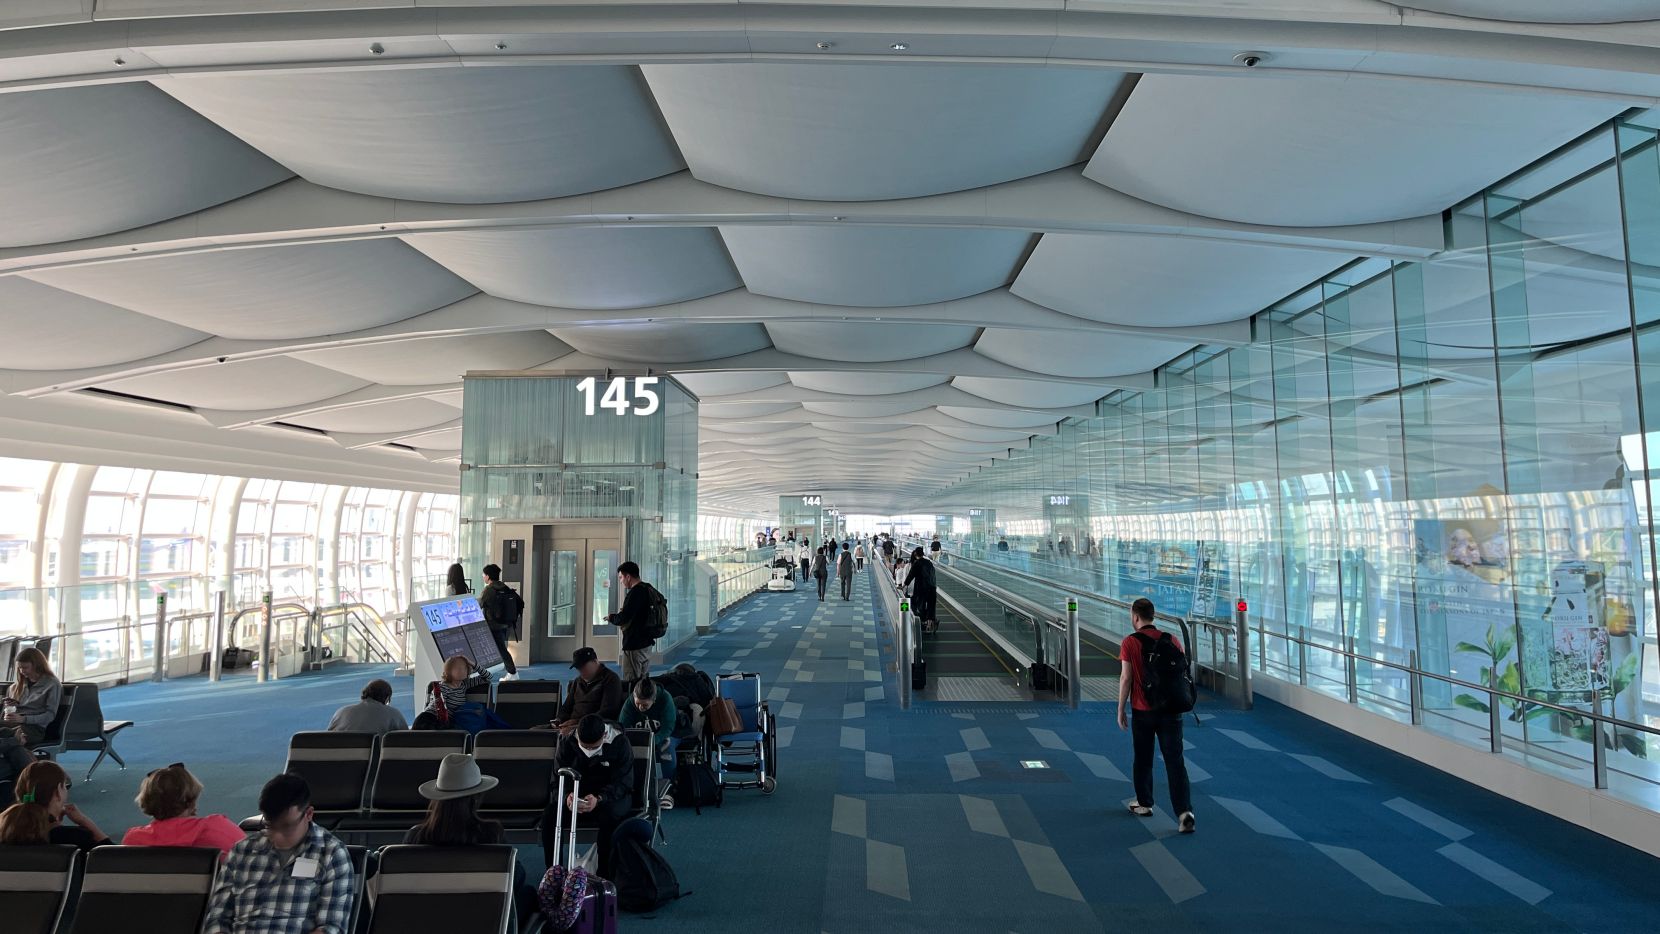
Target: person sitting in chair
[{"x": 604, "y": 763}]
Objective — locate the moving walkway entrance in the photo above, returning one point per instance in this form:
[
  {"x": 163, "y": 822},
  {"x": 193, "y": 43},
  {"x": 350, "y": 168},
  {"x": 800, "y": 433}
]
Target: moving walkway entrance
[{"x": 566, "y": 571}]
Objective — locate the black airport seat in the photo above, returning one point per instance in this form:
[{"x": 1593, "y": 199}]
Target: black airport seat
[
  {"x": 363, "y": 866},
  {"x": 336, "y": 766},
  {"x": 151, "y": 888},
  {"x": 407, "y": 759},
  {"x": 480, "y": 693},
  {"x": 523, "y": 760},
  {"x": 35, "y": 882},
  {"x": 524, "y": 704},
  {"x": 87, "y": 729},
  {"x": 52, "y": 744},
  {"x": 443, "y": 889}
]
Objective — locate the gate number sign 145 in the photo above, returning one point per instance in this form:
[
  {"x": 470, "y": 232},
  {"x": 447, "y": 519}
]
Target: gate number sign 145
[{"x": 616, "y": 397}]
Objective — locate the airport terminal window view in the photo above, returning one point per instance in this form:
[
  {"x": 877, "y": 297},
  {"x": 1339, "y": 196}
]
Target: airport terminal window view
[
  {"x": 85, "y": 551},
  {"x": 1447, "y": 461}
]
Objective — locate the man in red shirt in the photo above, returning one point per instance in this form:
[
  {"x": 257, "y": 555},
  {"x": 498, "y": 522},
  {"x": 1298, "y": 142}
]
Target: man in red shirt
[{"x": 1146, "y": 724}]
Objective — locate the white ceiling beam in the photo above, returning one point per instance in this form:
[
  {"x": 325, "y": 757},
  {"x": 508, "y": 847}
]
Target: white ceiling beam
[
  {"x": 1064, "y": 201},
  {"x": 151, "y": 39}
]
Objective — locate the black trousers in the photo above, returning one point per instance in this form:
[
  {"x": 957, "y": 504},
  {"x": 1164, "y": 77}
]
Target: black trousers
[
  {"x": 500, "y": 635},
  {"x": 822, "y": 582},
  {"x": 922, "y": 604},
  {"x": 847, "y": 587},
  {"x": 861, "y": 562},
  {"x": 1146, "y": 726},
  {"x": 804, "y": 564}
]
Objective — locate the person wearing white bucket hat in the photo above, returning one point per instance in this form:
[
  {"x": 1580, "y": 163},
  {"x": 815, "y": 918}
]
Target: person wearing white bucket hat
[{"x": 453, "y": 820}]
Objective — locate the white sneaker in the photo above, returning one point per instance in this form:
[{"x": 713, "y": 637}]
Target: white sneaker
[
  {"x": 1140, "y": 810},
  {"x": 666, "y": 803},
  {"x": 1185, "y": 822},
  {"x": 510, "y": 676}
]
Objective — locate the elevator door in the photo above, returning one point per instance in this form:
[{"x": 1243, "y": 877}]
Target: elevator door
[{"x": 576, "y": 585}]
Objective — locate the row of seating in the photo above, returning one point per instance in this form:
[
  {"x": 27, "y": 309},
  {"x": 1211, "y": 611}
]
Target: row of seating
[
  {"x": 80, "y": 726},
  {"x": 363, "y": 784},
  {"x": 522, "y": 704},
  {"x": 58, "y": 890}
]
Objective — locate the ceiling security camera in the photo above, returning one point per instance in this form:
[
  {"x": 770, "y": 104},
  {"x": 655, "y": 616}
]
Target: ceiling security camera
[{"x": 1251, "y": 59}]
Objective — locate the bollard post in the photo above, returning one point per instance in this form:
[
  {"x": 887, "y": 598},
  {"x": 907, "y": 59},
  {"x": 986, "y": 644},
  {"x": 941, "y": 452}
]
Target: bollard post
[
  {"x": 1074, "y": 656},
  {"x": 1351, "y": 672},
  {"x": 905, "y": 659},
  {"x": 1242, "y": 629},
  {"x": 1495, "y": 725},
  {"x": 160, "y": 672},
  {"x": 216, "y": 639},
  {"x": 1599, "y": 755},
  {"x": 267, "y": 663}
]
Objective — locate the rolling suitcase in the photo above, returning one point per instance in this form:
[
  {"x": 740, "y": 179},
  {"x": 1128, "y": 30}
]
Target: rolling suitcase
[{"x": 597, "y": 911}]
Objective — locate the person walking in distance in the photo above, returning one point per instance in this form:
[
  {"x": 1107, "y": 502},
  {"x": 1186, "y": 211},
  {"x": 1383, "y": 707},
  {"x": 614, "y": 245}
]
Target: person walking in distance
[
  {"x": 643, "y": 620},
  {"x": 844, "y": 570},
  {"x": 821, "y": 571},
  {"x": 1156, "y": 682}
]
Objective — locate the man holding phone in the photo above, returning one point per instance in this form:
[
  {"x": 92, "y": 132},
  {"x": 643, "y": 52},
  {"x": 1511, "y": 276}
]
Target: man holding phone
[{"x": 603, "y": 760}]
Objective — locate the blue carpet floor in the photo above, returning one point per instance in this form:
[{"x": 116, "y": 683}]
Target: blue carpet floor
[{"x": 926, "y": 820}]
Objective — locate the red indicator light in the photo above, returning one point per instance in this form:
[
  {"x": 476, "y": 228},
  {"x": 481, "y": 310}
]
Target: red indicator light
[{"x": 1240, "y": 606}]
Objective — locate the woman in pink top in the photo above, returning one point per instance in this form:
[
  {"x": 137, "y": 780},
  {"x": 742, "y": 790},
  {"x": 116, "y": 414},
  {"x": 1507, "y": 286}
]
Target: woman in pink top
[{"x": 169, "y": 796}]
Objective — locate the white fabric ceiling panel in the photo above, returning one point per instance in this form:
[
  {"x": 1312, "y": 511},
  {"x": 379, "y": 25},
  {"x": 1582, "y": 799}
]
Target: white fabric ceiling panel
[
  {"x": 873, "y": 408},
  {"x": 855, "y": 341},
  {"x": 79, "y": 162},
  {"x": 439, "y": 359},
  {"x": 461, "y": 135},
  {"x": 1029, "y": 392},
  {"x": 447, "y": 440},
  {"x": 722, "y": 384},
  {"x": 588, "y": 267},
  {"x": 398, "y": 415},
  {"x": 1077, "y": 353},
  {"x": 1164, "y": 281},
  {"x": 743, "y": 409},
  {"x": 1317, "y": 151},
  {"x": 868, "y": 132},
  {"x": 998, "y": 418},
  {"x": 874, "y": 266},
  {"x": 717, "y": 427},
  {"x": 242, "y": 385},
  {"x": 64, "y": 331},
  {"x": 1545, "y": 11},
  {"x": 865, "y": 384},
  {"x": 272, "y": 293},
  {"x": 664, "y": 341},
  {"x": 976, "y": 433}
]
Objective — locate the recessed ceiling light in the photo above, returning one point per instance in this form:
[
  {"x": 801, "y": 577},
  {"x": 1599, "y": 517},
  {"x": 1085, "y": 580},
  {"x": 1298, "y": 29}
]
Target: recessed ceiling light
[
  {"x": 120, "y": 62},
  {"x": 501, "y": 47},
  {"x": 376, "y": 49},
  {"x": 900, "y": 46},
  {"x": 824, "y": 45}
]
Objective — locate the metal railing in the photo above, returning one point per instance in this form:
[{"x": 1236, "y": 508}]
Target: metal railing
[
  {"x": 1351, "y": 659},
  {"x": 734, "y": 587}
]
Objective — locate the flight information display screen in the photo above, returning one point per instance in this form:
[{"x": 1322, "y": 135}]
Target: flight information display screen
[{"x": 458, "y": 628}]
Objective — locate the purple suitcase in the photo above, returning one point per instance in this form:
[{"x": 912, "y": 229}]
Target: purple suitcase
[{"x": 599, "y": 905}]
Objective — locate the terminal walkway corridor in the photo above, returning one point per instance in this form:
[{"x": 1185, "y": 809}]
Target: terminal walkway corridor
[{"x": 927, "y": 820}]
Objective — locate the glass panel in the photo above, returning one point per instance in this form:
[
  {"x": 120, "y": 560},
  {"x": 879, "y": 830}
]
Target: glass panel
[
  {"x": 602, "y": 598},
  {"x": 562, "y": 588}
]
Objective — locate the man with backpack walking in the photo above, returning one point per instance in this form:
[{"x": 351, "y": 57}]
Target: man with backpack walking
[
  {"x": 643, "y": 619},
  {"x": 1156, "y": 680},
  {"x": 502, "y": 608}
]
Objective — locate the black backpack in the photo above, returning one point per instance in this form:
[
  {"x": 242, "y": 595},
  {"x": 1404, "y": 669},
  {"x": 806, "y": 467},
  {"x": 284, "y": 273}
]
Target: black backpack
[
  {"x": 658, "y": 625},
  {"x": 645, "y": 880},
  {"x": 1166, "y": 677},
  {"x": 684, "y": 680},
  {"x": 695, "y": 785}
]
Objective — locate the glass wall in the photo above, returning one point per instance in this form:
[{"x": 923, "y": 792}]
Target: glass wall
[
  {"x": 532, "y": 449},
  {"x": 85, "y": 551},
  {"x": 1444, "y": 463}
]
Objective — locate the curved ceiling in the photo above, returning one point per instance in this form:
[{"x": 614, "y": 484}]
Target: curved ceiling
[
  {"x": 1326, "y": 151},
  {"x": 76, "y": 162},
  {"x": 919, "y": 258},
  {"x": 832, "y": 132},
  {"x": 879, "y": 267},
  {"x": 470, "y": 135}
]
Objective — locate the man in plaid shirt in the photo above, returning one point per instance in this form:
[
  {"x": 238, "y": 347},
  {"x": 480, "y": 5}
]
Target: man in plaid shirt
[{"x": 295, "y": 878}]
